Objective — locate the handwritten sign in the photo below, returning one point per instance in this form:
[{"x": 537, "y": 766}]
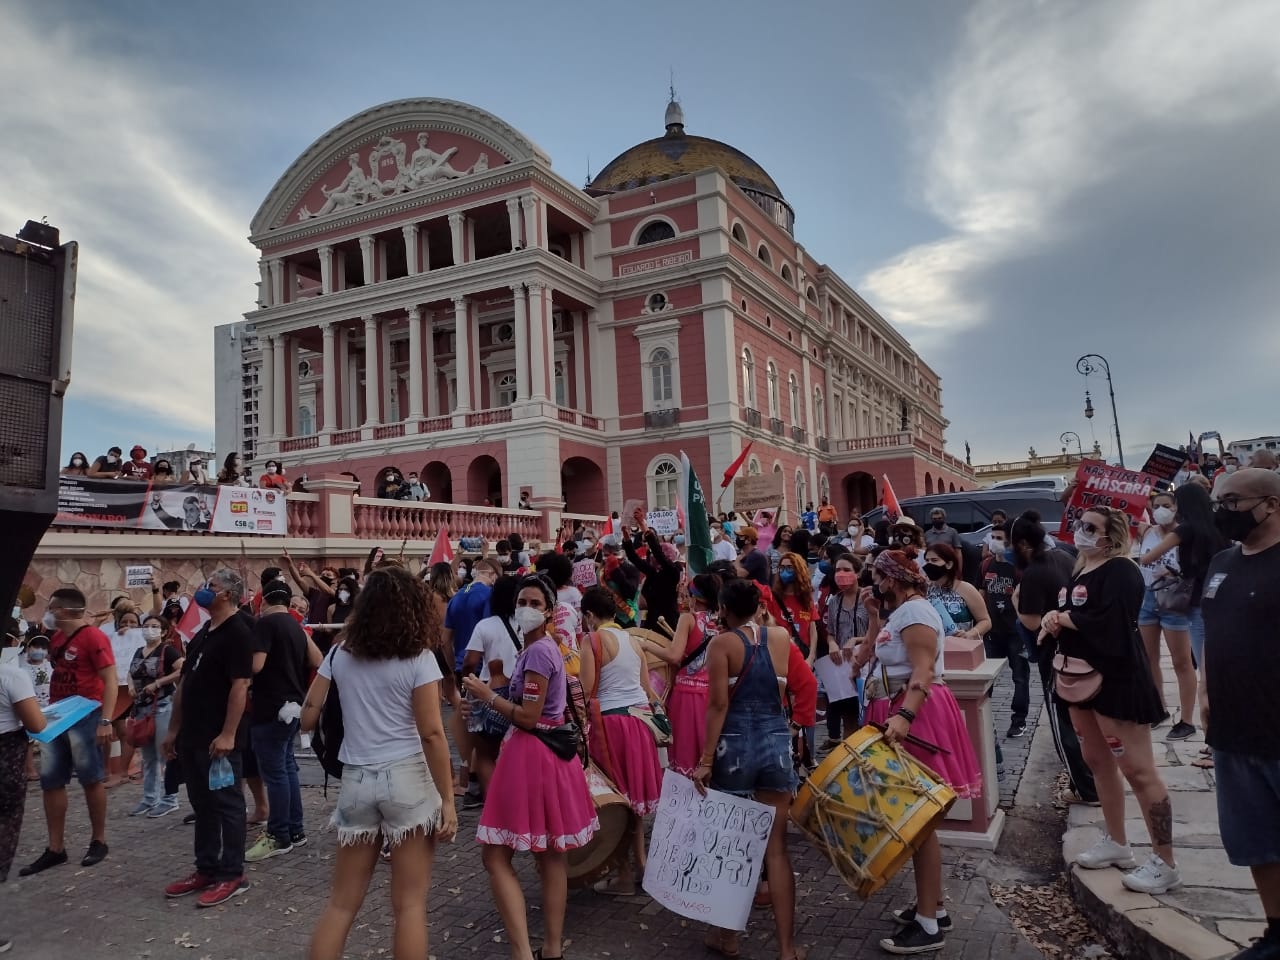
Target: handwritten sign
[
  {"x": 665, "y": 523},
  {"x": 138, "y": 575},
  {"x": 124, "y": 645},
  {"x": 584, "y": 574},
  {"x": 705, "y": 853},
  {"x": 1164, "y": 462},
  {"x": 1100, "y": 485},
  {"x": 761, "y": 492}
]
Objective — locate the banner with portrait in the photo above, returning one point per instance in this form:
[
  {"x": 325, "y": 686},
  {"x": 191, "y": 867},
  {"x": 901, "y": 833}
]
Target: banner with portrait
[{"x": 193, "y": 508}]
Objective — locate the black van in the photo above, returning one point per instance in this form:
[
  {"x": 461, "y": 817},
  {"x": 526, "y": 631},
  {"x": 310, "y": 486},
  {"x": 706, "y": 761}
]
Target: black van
[{"x": 970, "y": 512}]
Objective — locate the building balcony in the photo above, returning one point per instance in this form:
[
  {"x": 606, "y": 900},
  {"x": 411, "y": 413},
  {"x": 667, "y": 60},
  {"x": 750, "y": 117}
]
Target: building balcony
[
  {"x": 658, "y": 419},
  {"x": 888, "y": 441},
  {"x": 777, "y": 427},
  {"x": 798, "y": 435},
  {"x": 823, "y": 444},
  {"x": 751, "y": 417}
]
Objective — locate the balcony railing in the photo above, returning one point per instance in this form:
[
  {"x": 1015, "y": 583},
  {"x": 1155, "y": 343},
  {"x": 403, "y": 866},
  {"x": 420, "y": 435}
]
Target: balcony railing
[
  {"x": 485, "y": 418},
  {"x": 823, "y": 444},
  {"x": 435, "y": 425},
  {"x": 393, "y": 520},
  {"x": 299, "y": 443},
  {"x": 752, "y": 417},
  {"x": 661, "y": 418},
  {"x": 798, "y": 434},
  {"x": 388, "y": 430},
  {"x": 340, "y": 437},
  {"x": 777, "y": 427},
  {"x": 882, "y": 442},
  {"x": 578, "y": 418}
]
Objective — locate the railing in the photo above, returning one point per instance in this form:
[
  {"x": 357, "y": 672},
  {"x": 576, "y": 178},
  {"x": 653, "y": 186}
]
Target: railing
[
  {"x": 592, "y": 423},
  {"x": 1066, "y": 461},
  {"x": 662, "y": 418},
  {"x": 484, "y": 418},
  {"x": 387, "y": 431},
  {"x": 375, "y": 519},
  {"x": 566, "y": 416},
  {"x": 888, "y": 440},
  {"x": 303, "y": 514},
  {"x": 798, "y": 434},
  {"x": 751, "y": 417},
  {"x": 344, "y": 436},
  {"x": 955, "y": 463},
  {"x": 588, "y": 519},
  {"x": 578, "y": 418},
  {"x": 290, "y": 444},
  {"x": 777, "y": 427},
  {"x": 823, "y": 444},
  {"x": 435, "y": 425}
]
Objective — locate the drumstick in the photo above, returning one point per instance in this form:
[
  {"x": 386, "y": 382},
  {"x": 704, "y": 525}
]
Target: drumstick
[
  {"x": 666, "y": 628},
  {"x": 917, "y": 741}
]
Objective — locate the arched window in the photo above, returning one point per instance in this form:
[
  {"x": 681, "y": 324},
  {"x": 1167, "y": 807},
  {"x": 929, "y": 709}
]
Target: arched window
[
  {"x": 793, "y": 391},
  {"x": 739, "y": 234},
  {"x": 306, "y": 423},
  {"x": 811, "y": 295},
  {"x": 748, "y": 379},
  {"x": 819, "y": 412},
  {"x": 786, "y": 273},
  {"x": 506, "y": 389},
  {"x": 802, "y": 491},
  {"x": 753, "y": 467},
  {"x": 771, "y": 375},
  {"x": 824, "y": 488},
  {"x": 763, "y": 254},
  {"x": 562, "y": 386},
  {"x": 664, "y": 484},
  {"x": 655, "y": 232},
  {"x": 928, "y": 483},
  {"x": 660, "y": 375},
  {"x": 837, "y": 411}
]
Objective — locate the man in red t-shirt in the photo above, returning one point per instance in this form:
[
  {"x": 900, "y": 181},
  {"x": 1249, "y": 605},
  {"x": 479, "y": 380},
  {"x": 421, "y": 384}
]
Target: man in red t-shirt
[{"x": 83, "y": 665}]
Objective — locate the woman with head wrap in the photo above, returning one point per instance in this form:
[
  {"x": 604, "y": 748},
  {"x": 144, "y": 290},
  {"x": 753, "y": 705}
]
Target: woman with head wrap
[{"x": 905, "y": 645}]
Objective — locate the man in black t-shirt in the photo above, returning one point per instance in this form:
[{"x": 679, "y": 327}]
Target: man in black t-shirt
[
  {"x": 1241, "y": 609},
  {"x": 281, "y": 657},
  {"x": 999, "y": 578},
  {"x": 206, "y": 727},
  {"x": 1044, "y": 573}
]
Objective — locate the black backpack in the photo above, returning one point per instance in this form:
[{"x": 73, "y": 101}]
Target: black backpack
[{"x": 326, "y": 739}]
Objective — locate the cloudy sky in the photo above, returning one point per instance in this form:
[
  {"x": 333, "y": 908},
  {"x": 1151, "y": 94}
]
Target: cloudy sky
[{"x": 1012, "y": 184}]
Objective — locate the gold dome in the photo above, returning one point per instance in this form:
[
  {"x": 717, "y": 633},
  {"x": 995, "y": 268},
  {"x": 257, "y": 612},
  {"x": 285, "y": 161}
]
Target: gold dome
[{"x": 677, "y": 153}]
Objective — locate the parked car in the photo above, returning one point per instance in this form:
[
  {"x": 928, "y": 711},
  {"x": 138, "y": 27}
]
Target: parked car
[
  {"x": 1057, "y": 484},
  {"x": 970, "y": 512}
]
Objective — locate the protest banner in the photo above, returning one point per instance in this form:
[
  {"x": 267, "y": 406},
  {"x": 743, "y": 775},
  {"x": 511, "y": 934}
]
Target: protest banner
[
  {"x": 141, "y": 505},
  {"x": 1164, "y": 462},
  {"x": 705, "y": 853},
  {"x": 760, "y": 492},
  {"x": 584, "y": 574},
  {"x": 1100, "y": 485},
  {"x": 138, "y": 575},
  {"x": 665, "y": 523},
  {"x": 124, "y": 646}
]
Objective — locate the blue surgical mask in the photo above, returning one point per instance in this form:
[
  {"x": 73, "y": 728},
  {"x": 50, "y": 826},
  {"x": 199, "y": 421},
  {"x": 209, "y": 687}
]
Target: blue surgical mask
[
  {"x": 204, "y": 597},
  {"x": 787, "y": 575},
  {"x": 36, "y": 655},
  {"x": 825, "y": 567},
  {"x": 1009, "y": 555},
  {"x": 679, "y": 540}
]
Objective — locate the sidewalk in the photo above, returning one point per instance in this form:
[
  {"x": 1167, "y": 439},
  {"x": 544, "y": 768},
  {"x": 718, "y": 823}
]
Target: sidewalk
[{"x": 1215, "y": 913}]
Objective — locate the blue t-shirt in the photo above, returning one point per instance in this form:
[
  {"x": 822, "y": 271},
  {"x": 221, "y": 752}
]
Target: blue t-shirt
[
  {"x": 468, "y": 607},
  {"x": 810, "y": 520}
]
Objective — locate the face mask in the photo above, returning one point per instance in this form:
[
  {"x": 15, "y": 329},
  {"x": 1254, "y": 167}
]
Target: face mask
[
  {"x": 742, "y": 544},
  {"x": 854, "y": 529},
  {"x": 716, "y": 533},
  {"x": 77, "y": 462},
  {"x": 679, "y": 541},
  {"x": 845, "y": 579},
  {"x": 37, "y": 655},
  {"x": 998, "y": 549},
  {"x": 204, "y": 597},
  {"x": 528, "y": 619},
  {"x": 413, "y": 479},
  {"x": 883, "y": 596},
  {"x": 939, "y": 524},
  {"x": 1086, "y": 543},
  {"x": 49, "y": 620},
  {"x": 1235, "y": 525},
  {"x": 1163, "y": 516},
  {"x": 271, "y": 469},
  {"x": 344, "y": 596},
  {"x": 825, "y": 567},
  {"x": 905, "y": 539},
  {"x": 787, "y": 575},
  {"x": 154, "y": 633},
  {"x": 935, "y": 571},
  {"x": 1231, "y": 467},
  {"x": 113, "y": 459}
]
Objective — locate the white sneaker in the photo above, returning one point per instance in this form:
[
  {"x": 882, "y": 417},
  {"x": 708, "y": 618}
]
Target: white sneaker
[
  {"x": 1106, "y": 853},
  {"x": 1154, "y": 876}
]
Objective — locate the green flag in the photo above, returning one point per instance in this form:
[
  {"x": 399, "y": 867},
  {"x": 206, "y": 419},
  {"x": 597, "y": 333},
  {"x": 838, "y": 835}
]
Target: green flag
[{"x": 697, "y": 527}]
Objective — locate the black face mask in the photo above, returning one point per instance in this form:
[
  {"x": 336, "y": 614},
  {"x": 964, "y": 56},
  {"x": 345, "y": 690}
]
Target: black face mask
[
  {"x": 935, "y": 571},
  {"x": 939, "y": 524},
  {"x": 906, "y": 539},
  {"x": 1236, "y": 525},
  {"x": 885, "y": 598}
]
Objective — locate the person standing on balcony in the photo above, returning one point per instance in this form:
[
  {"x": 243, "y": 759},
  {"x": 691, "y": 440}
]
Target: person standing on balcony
[
  {"x": 136, "y": 468},
  {"x": 106, "y": 467},
  {"x": 418, "y": 490},
  {"x": 232, "y": 467},
  {"x": 273, "y": 477}
]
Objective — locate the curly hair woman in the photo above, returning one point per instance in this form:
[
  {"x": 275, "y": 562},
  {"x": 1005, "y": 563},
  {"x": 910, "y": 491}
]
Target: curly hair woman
[{"x": 395, "y": 758}]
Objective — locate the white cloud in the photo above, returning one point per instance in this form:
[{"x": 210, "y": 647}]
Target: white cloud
[
  {"x": 1040, "y": 103},
  {"x": 94, "y": 143}
]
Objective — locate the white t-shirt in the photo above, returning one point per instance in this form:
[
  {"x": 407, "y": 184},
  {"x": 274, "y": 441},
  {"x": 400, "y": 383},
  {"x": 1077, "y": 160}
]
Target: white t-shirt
[
  {"x": 891, "y": 649},
  {"x": 570, "y": 595},
  {"x": 865, "y": 542},
  {"x": 41, "y": 675},
  {"x": 723, "y": 549},
  {"x": 377, "y": 705},
  {"x": 1169, "y": 562},
  {"x": 15, "y": 686},
  {"x": 491, "y": 640}
]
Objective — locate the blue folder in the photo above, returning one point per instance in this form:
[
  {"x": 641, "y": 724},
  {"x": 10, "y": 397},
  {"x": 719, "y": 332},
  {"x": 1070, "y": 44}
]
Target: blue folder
[{"x": 63, "y": 715}]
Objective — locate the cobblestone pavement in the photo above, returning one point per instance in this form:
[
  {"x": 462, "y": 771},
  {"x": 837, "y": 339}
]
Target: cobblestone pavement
[{"x": 116, "y": 910}]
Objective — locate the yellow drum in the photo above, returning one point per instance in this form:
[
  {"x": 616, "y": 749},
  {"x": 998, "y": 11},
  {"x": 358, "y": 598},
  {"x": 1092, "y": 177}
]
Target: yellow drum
[{"x": 869, "y": 807}]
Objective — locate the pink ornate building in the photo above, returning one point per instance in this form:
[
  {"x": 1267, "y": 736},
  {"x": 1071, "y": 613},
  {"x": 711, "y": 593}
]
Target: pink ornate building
[{"x": 434, "y": 296}]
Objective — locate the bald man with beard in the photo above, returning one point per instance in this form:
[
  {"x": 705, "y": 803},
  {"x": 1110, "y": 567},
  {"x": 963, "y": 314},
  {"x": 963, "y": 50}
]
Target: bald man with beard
[{"x": 1241, "y": 609}]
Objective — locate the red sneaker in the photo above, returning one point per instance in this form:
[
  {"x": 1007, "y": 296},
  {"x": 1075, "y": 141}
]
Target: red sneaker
[
  {"x": 192, "y": 884},
  {"x": 222, "y": 892}
]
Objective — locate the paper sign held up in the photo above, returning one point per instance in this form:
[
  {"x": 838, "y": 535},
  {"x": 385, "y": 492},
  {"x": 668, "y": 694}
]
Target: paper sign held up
[
  {"x": 760, "y": 492},
  {"x": 665, "y": 523},
  {"x": 138, "y": 575}
]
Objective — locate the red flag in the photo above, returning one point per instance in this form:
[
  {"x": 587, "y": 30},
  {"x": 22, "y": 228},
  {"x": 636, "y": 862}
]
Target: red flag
[
  {"x": 192, "y": 619},
  {"x": 442, "y": 552},
  {"x": 891, "y": 504},
  {"x": 736, "y": 465}
]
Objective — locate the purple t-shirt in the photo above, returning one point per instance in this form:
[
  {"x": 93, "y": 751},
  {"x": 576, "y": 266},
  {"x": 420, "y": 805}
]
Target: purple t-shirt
[{"x": 542, "y": 657}]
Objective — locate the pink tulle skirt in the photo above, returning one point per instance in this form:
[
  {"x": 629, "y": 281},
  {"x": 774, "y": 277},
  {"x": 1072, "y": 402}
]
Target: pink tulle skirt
[
  {"x": 687, "y": 710},
  {"x": 635, "y": 768},
  {"x": 940, "y": 722},
  {"x": 536, "y": 801}
]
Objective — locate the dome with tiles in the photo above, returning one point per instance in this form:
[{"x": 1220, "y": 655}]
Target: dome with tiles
[{"x": 676, "y": 154}]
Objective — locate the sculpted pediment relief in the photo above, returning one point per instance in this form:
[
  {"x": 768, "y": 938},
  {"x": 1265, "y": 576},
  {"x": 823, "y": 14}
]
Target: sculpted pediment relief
[{"x": 397, "y": 163}]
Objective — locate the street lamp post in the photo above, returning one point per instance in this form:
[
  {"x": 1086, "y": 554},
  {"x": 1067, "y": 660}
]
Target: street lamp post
[
  {"x": 1067, "y": 437},
  {"x": 1092, "y": 363}
]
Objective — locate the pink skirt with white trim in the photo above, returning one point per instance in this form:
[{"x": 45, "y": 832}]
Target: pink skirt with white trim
[
  {"x": 536, "y": 802},
  {"x": 635, "y": 770},
  {"x": 687, "y": 710},
  {"x": 940, "y": 722}
]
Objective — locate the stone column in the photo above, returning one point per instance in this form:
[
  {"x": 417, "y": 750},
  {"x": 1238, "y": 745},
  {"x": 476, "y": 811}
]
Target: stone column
[
  {"x": 267, "y": 389},
  {"x": 330, "y": 377},
  {"x": 539, "y": 335},
  {"x": 457, "y": 222},
  {"x": 410, "y": 232},
  {"x": 522, "y": 342},
  {"x": 326, "y": 269},
  {"x": 432, "y": 377},
  {"x": 367, "y": 259},
  {"x": 415, "y": 363},
  {"x": 280, "y": 387},
  {"x": 513, "y": 217},
  {"x": 277, "y": 282},
  {"x": 264, "y": 284},
  {"x": 462, "y": 356},
  {"x": 372, "y": 369},
  {"x": 578, "y": 393},
  {"x": 530, "y": 203}
]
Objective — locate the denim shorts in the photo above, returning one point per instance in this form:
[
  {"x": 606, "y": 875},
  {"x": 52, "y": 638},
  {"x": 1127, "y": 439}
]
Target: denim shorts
[
  {"x": 394, "y": 799},
  {"x": 1248, "y": 807},
  {"x": 76, "y": 749},
  {"x": 1151, "y": 614},
  {"x": 754, "y": 754}
]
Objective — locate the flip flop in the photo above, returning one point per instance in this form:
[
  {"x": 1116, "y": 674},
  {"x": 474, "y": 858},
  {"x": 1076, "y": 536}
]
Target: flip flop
[
  {"x": 715, "y": 942},
  {"x": 610, "y": 888},
  {"x": 1204, "y": 763}
]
